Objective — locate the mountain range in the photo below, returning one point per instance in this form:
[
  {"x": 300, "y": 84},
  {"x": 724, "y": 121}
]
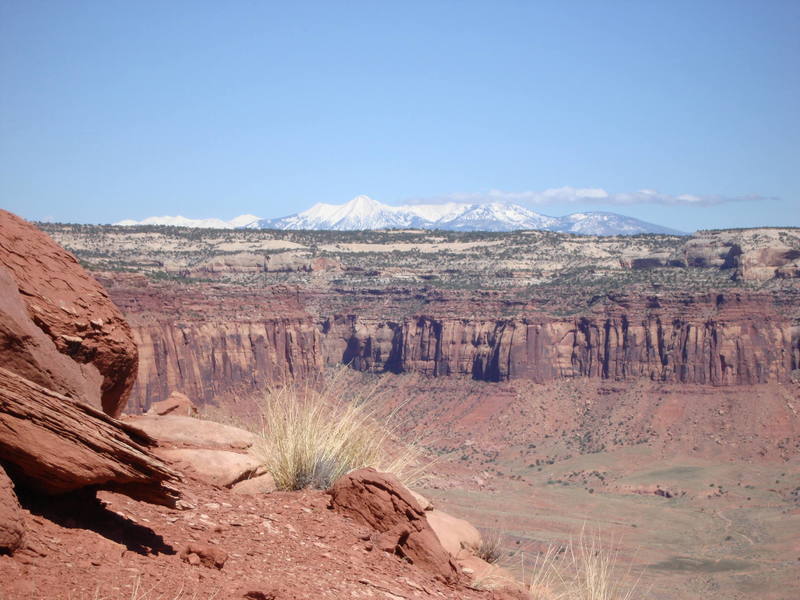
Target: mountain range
[{"x": 362, "y": 212}]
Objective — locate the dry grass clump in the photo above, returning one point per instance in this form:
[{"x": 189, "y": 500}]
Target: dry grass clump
[
  {"x": 312, "y": 435},
  {"x": 584, "y": 569},
  {"x": 491, "y": 548}
]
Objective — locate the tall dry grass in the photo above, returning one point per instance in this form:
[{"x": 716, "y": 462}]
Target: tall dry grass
[
  {"x": 313, "y": 434},
  {"x": 587, "y": 568}
]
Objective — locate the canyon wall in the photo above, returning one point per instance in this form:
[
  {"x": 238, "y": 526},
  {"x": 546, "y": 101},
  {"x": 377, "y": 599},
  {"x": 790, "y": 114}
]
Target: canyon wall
[
  {"x": 672, "y": 350},
  {"x": 208, "y": 360},
  {"x": 212, "y": 345}
]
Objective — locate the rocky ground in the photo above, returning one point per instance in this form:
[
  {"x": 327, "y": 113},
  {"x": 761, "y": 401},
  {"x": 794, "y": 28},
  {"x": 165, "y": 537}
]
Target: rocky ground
[{"x": 280, "y": 545}]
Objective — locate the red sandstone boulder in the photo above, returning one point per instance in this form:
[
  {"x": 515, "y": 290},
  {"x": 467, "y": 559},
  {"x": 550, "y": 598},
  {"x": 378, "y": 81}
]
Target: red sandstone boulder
[
  {"x": 176, "y": 404},
  {"x": 72, "y": 310},
  {"x": 67, "y": 362},
  {"x": 57, "y": 445},
  {"x": 262, "y": 484},
  {"x": 12, "y": 521},
  {"x": 380, "y": 501}
]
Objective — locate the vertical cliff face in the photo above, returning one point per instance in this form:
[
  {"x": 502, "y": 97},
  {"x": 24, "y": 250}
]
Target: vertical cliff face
[
  {"x": 696, "y": 343},
  {"x": 213, "y": 342},
  {"x": 211, "y": 359},
  {"x": 210, "y": 345}
]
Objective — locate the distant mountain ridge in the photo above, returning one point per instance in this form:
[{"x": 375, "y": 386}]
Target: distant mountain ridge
[{"x": 362, "y": 212}]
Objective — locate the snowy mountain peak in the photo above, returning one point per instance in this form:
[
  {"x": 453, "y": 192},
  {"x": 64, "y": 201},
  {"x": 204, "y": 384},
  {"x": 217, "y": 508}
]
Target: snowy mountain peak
[
  {"x": 362, "y": 212},
  {"x": 363, "y": 203}
]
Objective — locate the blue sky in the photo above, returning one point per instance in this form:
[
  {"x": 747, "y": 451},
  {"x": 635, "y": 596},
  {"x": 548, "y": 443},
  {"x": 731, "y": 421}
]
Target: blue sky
[{"x": 112, "y": 110}]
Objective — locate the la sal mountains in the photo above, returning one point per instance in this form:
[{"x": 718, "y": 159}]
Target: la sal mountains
[{"x": 362, "y": 212}]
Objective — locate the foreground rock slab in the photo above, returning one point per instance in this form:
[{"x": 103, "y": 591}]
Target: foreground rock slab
[
  {"x": 57, "y": 444},
  {"x": 217, "y": 467}
]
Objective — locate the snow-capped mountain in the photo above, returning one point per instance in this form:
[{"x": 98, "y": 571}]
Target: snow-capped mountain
[
  {"x": 179, "y": 221},
  {"x": 363, "y": 212}
]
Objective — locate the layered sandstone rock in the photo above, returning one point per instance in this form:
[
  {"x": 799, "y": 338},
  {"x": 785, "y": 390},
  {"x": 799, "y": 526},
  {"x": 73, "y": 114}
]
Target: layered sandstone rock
[
  {"x": 73, "y": 311},
  {"x": 218, "y": 454},
  {"x": 67, "y": 362},
  {"x": 12, "y": 520},
  {"x": 56, "y": 444},
  {"x": 181, "y": 431}
]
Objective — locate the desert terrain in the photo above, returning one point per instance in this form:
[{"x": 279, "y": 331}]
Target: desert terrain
[{"x": 646, "y": 386}]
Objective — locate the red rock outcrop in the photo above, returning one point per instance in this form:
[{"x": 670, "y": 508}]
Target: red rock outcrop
[
  {"x": 12, "y": 520},
  {"x": 218, "y": 454},
  {"x": 56, "y": 444},
  {"x": 68, "y": 362},
  {"x": 73, "y": 310},
  {"x": 201, "y": 554},
  {"x": 381, "y": 502}
]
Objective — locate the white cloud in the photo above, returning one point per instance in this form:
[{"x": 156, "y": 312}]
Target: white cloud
[{"x": 572, "y": 195}]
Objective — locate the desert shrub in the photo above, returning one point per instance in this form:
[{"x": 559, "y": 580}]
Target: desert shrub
[
  {"x": 491, "y": 548},
  {"x": 585, "y": 569},
  {"x": 311, "y": 435}
]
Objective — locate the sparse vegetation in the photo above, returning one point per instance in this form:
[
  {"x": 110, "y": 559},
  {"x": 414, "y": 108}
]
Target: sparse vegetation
[
  {"x": 491, "y": 548},
  {"x": 312, "y": 435},
  {"x": 585, "y": 569}
]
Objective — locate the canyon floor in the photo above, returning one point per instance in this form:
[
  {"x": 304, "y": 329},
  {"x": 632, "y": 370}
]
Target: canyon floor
[{"x": 698, "y": 489}]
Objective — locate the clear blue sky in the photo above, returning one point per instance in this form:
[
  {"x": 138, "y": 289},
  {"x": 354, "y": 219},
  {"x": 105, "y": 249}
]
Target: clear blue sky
[{"x": 112, "y": 110}]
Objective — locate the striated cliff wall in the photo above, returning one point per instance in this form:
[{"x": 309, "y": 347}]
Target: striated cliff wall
[
  {"x": 209, "y": 343},
  {"x": 670, "y": 350},
  {"x": 207, "y": 360},
  {"x": 215, "y": 341}
]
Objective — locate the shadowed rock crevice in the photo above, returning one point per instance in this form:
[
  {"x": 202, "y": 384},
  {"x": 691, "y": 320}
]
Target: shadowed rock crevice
[{"x": 81, "y": 509}]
